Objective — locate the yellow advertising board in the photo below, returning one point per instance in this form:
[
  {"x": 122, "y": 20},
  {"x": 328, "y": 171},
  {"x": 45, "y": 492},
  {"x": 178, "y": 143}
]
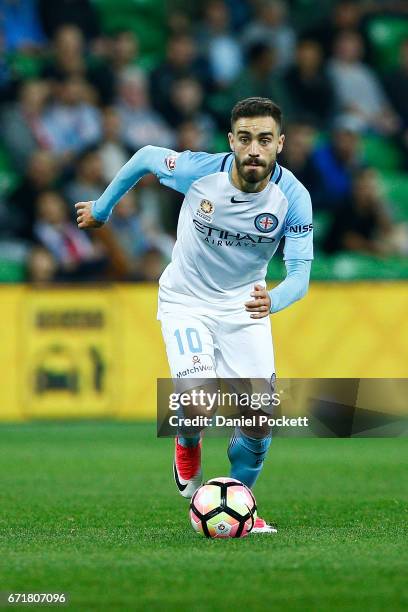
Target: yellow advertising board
[
  {"x": 97, "y": 351},
  {"x": 67, "y": 346}
]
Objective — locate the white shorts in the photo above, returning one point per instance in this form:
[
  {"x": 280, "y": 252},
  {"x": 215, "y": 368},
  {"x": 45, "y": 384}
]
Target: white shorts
[{"x": 217, "y": 345}]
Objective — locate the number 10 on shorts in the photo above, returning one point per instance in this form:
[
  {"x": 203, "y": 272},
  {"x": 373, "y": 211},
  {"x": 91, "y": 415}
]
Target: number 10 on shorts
[{"x": 188, "y": 337}]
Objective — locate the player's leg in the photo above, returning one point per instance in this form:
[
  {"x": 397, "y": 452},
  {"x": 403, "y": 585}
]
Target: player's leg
[
  {"x": 246, "y": 352},
  {"x": 247, "y": 455},
  {"x": 190, "y": 352}
]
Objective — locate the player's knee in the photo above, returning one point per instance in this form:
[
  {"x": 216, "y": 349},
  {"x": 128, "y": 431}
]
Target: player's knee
[
  {"x": 196, "y": 404},
  {"x": 256, "y": 425}
]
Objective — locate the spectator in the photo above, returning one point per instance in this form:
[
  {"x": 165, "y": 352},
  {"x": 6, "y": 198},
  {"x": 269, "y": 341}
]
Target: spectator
[
  {"x": 6, "y": 222},
  {"x": 128, "y": 227},
  {"x": 125, "y": 51},
  {"x": 68, "y": 54},
  {"x": 396, "y": 84},
  {"x": 337, "y": 160},
  {"x": 309, "y": 86},
  {"x": 189, "y": 137},
  {"x": 153, "y": 267},
  {"x": 140, "y": 124},
  {"x": 187, "y": 99},
  {"x": 72, "y": 124},
  {"x": 41, "y": 175},
  {"x": 159, "y": 209},
  {"x": 181, "y": 61},
  {"x": 88, "y": 182},
  {"x": 112, "y": 151},
  {"x": 222, "y": 49},
  {"x": 22, "y": 124},
  {"x": 357, "y": 88},
  {"x": 297, "y": 157},
  {"x": 140, "y": 249},
  {"x": 178, "y": 23},
  {"x": 21, "y": 26},
  {"x": 345, "y": 15},
  {"x": 80, "y": 13},
  {"x": 41, "y": 266},
  {"x": 8, "y": 80},
  {"x": 270, "y": 27},
  {"x": 70, "y": 60},
  {"x": 240, "y": 13},
  {"x": 260, "y": 79},
  {"x": 76, "y": 256},
  {"x": 363, "y": 223}
]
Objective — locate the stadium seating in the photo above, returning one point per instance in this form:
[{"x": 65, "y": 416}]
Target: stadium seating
[
  {"x": 395, "y": 185},
  {"x": 12, "y": 271},
  {"x": 12, "y": 266},
  {"x": 347, "y": 267},
  {"x": 146, "y": 18},
  {"x": 321, "y": 225},
  {"x": 8, "y": 177},
  {"x": 386, "y": 33},
  {"x": 25, "y": 66},
  {"x": 381, "y": 153}
]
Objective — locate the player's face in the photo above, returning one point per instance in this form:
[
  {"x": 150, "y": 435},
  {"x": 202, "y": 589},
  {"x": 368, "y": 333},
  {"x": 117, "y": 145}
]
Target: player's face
[{"x": 256, "y": 141}]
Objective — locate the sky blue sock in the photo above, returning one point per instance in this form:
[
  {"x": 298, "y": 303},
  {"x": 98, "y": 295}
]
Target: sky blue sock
[
  {"x": 247, "y": 456},
  {"x": 190, "y": 441}
]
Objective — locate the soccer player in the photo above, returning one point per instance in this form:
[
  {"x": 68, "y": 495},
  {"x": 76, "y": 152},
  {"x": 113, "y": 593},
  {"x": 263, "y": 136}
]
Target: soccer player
[{"x": 213, "y": 303}]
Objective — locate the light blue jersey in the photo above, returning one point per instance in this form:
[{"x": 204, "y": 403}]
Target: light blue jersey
[{"x": 225, "y": 237}]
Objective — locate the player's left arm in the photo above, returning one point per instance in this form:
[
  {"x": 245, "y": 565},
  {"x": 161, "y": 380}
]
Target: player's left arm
[
  {"x": 298, "y": 256},
  {"x": 298, "y": 249},
  {"x": 293, "y": 288}
]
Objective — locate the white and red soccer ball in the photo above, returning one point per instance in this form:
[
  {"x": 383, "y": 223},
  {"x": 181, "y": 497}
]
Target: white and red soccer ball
[{"x": 223, "y": 508}]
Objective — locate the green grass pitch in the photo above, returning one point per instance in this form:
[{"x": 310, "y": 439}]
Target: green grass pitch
[{"x": 91, "y": 509}]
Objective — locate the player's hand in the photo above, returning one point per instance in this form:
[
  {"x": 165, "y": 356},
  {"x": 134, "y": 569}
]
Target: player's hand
[
  {"x": 260, "y": 306},
  {"x": 85, "y": 219}
]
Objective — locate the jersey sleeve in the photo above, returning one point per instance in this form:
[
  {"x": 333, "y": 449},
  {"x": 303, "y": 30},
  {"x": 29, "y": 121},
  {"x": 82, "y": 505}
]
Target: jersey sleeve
[
  {"x": 299, "y": 225},
  {"x": 183, "y": 169},
  {"x": 175, "y": 170},
  {"x": 294, "y": 287}
]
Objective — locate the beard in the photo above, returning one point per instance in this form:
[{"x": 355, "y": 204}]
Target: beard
[{"x": 254, "y": 170}]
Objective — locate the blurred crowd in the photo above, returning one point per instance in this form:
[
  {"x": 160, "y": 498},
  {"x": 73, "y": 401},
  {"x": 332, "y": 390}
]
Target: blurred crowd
[{"x": 77, "y": 101}]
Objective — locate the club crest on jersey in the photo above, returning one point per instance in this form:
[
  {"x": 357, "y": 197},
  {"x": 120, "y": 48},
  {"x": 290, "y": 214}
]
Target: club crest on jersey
[
  {"x": 205, "y": 210},
  {"x": 206, "y": 207},
  {"x": 266, "y": 222},
  {"x": 170, "y": 161}
]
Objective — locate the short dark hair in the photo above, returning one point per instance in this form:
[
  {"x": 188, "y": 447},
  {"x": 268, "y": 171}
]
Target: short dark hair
[{"x": 256, "y": 107}]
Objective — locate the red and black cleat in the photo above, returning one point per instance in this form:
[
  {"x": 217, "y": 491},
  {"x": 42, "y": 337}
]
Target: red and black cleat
[{"x": 187, "y": 468}]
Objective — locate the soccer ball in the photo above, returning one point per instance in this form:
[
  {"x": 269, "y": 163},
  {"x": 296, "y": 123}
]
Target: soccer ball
[{"x": 223, "y": 508}]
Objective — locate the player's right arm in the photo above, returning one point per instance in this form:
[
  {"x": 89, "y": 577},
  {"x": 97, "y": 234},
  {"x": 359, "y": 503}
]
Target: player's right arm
[
  {"x": 176, "y": 170},
  {"x": 85, "y": 219},
  {"x": 146, "y": 160}
]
